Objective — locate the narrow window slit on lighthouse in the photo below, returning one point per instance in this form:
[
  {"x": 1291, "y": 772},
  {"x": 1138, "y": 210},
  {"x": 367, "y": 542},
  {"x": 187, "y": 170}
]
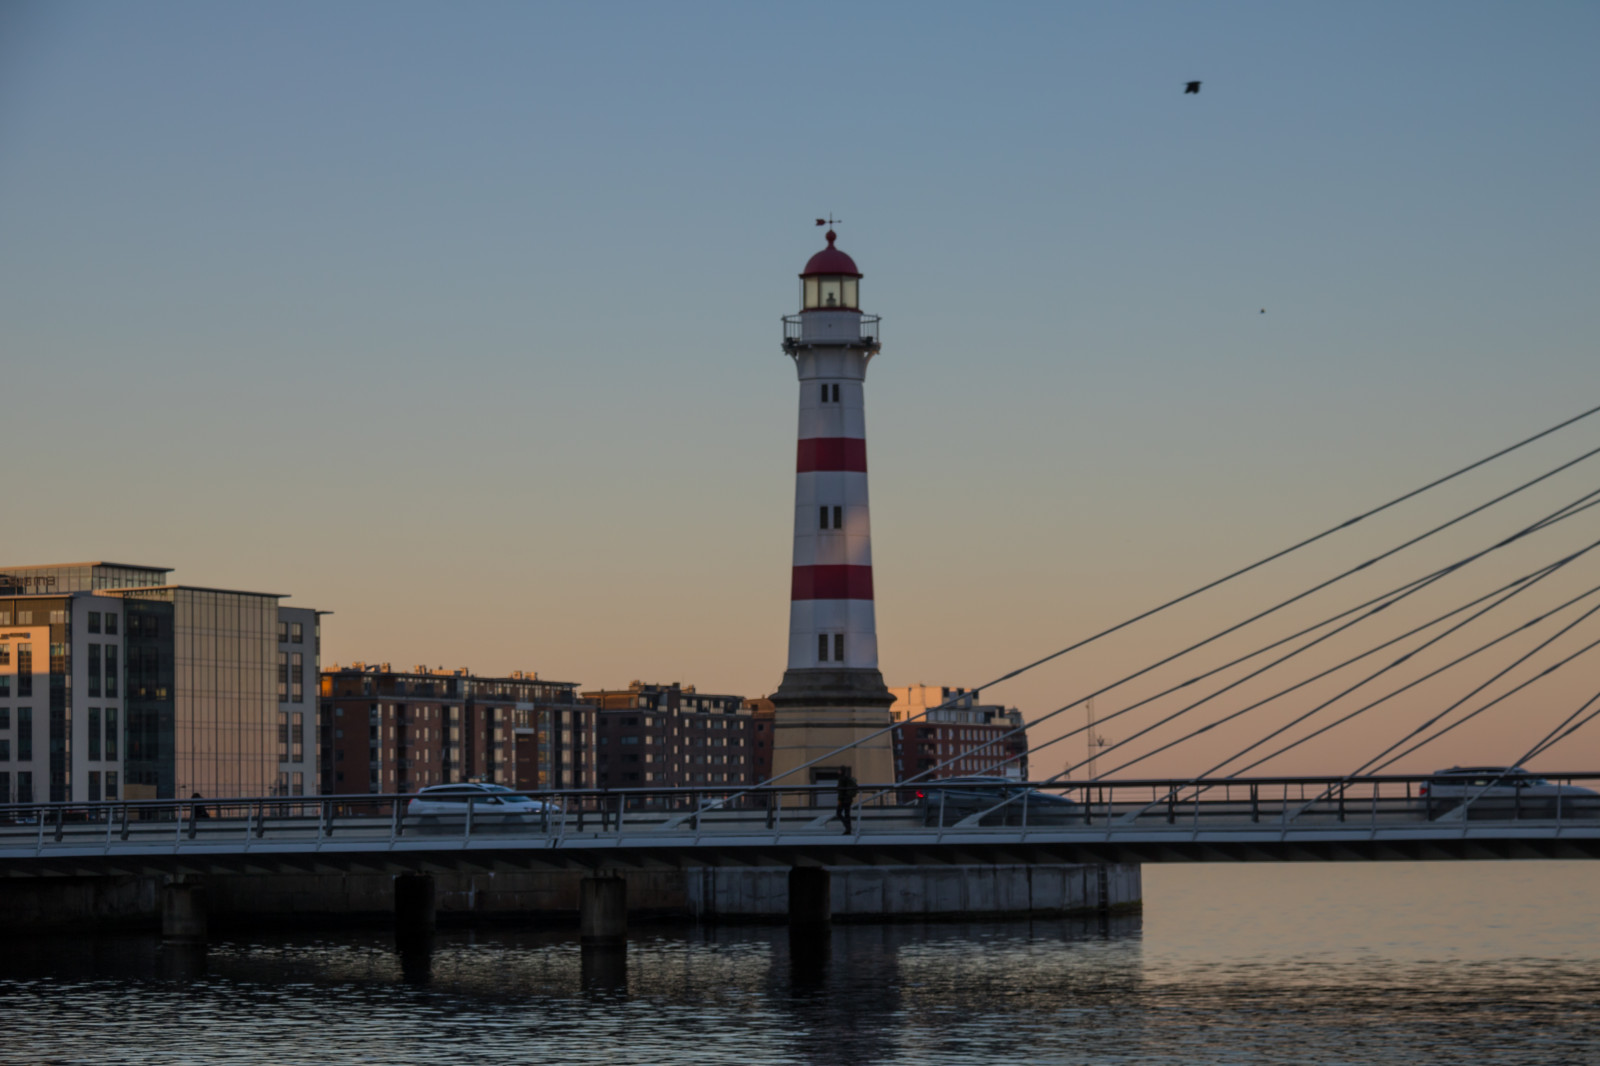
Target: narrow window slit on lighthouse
[
  {"x": 822, "y": 647},
  {"x": 822, "y": 515},
  {"x": 838, "y": 647},
  {"x": 836, "y": 394},
  {"x": 824, "y": 393},
  {"x": 838, "y": 518}
]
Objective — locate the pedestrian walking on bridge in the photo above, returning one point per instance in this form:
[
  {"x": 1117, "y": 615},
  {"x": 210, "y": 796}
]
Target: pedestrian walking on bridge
[{"x": 847, "y": 790}]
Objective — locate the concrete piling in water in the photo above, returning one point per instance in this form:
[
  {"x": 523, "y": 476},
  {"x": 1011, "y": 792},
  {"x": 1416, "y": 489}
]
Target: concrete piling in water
[
  {"x": 183, "y": 910},
  {"x": 810, "y": 896},
  {"x": 414, "y": 909},
  {"x": 603, "y": 911}
]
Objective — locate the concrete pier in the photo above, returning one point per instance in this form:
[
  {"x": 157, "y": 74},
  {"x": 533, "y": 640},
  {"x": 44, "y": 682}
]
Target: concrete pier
[
  {"x": 183, "y": 910},
  {"x": 414, "y": 909},
  {"x": 810, "y": 896},
  {"x": 603, "y": 910}
]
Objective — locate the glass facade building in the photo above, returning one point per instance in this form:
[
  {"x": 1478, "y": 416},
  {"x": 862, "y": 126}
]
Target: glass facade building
[{"x": 129, "y": 687}]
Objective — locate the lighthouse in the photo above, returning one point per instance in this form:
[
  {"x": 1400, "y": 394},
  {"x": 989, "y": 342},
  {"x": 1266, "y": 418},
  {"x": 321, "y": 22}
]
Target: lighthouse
[{"x": 832, "y": 694}]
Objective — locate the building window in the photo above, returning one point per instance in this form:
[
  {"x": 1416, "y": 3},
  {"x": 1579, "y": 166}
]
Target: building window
[
  {"x": 24, "y": 666},
  {"x": 822, "y": 647},
  {"x": 838, "y": 647},
  {"x": 283, "y": 675},
  {"x": 111, "y": 629},
  {"x": 94, "y": 621},
  {"x": 283, "y": 632},
  {"x": 94, "y": 734},
  {"x": 5, "y": 751},
  {"x": 297, "y": 633},
  {"x": 5, "y": 786},
  {"x": 296, "y": 736},
  {"x": 94, "y": 786},
  {"x": 58, "y": 618},
  {"x": 297, "y": 679},
  {"x": 94, "y": 670},
  {"x": 24, "y": 735},
  {"x": 111, "y": 670},
  {"x": 24, "y": 618},
  {"x": 111, "y": 737},
  {"x": 111, "y": 784},
  {"x": 24, "y": 786},
  {"x": 299, "y": 783}
]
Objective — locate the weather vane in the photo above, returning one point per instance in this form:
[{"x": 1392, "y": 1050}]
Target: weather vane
[{"x": 829, "y": 221}]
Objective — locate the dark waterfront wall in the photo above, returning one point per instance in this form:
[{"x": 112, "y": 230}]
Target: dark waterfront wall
[{"x": 709, "y": 894}]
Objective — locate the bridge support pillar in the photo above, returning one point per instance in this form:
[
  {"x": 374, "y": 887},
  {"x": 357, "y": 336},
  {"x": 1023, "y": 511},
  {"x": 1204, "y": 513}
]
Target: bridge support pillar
[
  {"x": 413, "y": 904},
  {"x": 810, "y": 895},
  {"x": 183, "y": 910},
  {"x": 603, "y": 911}
]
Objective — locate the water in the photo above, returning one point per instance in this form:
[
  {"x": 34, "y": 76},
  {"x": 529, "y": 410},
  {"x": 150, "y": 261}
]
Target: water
[{"x": 1357, "y": 963}]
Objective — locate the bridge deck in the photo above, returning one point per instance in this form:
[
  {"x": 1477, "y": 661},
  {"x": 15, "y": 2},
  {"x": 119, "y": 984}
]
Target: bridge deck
[{"x": 273, "y": 836}]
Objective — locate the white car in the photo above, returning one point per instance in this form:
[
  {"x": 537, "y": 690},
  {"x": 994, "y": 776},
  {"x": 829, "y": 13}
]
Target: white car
[
  {"x": 491, "y": 804},
  {"x": 1505, "y": 792}
]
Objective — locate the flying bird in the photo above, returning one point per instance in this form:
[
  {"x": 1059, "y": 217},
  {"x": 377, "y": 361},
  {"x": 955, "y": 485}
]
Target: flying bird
[{"x": 1191, "y": 87}]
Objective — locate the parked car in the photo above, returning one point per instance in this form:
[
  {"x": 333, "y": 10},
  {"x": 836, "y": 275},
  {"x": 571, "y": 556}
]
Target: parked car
[
  {"x": 1504, "y": 792},
  {"x": 491, "y": 805},
  {"x": 956, "y": 798}
]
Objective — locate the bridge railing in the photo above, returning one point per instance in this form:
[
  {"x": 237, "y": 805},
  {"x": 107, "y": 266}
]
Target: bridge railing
[{"x": 932, "y": 808}]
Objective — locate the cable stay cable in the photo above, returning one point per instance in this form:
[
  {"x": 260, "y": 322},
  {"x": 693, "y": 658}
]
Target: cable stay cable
[
  {"x": 1550, "y": 739},
  {"x": 1368, "y": 766},
  {"x": 1521, "y": 763},
  {"x": 1526, "y": 581},
  {"x": 1522, "y": 585},
  {"x": 1516, "y": 586},
  {"x": 1560, "y": 514},
  {"x": 1396, "y": 501},
  {"x": 1467, "y": 718},
  {"x": 1553, "y": 741}
]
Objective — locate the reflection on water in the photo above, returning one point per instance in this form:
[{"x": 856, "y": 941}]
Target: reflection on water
[{"x": 1227, "y": 966}]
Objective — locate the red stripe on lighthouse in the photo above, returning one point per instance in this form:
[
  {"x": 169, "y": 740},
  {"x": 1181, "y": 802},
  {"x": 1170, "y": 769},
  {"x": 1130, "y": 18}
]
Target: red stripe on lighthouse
[
  {"x": 832, "y": 453},
  {"x": 831, "y": 583}
]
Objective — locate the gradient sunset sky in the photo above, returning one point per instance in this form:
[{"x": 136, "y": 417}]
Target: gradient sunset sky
[{"x": 462, "y": 321}]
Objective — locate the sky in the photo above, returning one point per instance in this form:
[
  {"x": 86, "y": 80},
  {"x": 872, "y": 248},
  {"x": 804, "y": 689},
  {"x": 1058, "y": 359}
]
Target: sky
[{"x": 462, "y": 321}]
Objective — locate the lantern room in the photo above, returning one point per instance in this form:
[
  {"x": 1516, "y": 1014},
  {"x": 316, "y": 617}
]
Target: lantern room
[{"x": 830, "y": 281}]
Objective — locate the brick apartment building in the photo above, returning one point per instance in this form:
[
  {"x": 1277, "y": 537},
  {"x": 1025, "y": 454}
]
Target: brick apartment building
[
  {"x": 670, "y": 736},
  {"x": 384, "y": 730},
  {"x": 956, "y": 732}
]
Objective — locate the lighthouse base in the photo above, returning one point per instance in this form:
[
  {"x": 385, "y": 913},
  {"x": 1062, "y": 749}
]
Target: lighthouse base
[
  {"x": 841, "y": 689},
  {"x": 811, "y": 736}
]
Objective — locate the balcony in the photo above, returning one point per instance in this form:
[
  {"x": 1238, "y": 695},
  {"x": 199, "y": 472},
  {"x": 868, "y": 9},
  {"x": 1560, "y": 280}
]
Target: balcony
[{"x": 794, "y": 330}]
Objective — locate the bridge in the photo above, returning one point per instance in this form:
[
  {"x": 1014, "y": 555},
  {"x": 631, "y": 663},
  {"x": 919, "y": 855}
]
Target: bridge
[
  {"x": 1235, "y": 820},
  {"x": 1437, "y": 623}
]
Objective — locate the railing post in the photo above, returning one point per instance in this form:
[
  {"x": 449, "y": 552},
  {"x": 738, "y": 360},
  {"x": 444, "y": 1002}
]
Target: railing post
[
  {"x": 1025, "y": 809},
  {"x": 1255, "y": 802},
  {"x": 694, "y": 819},
  {"x": 770, "y": 819},
  {"x": 394, "y": 820},
  {"x": 1341, "y": 801},
  {"x": 466, "y": 823},
  {"x": 61, "y": 823},
  {"x": 124, "y": 821}
]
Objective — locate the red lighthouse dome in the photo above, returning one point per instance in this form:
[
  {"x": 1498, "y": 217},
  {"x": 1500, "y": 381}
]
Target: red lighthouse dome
[
  {"x": 830, "y": 261},
  {"x": 830, "y": 281}
]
